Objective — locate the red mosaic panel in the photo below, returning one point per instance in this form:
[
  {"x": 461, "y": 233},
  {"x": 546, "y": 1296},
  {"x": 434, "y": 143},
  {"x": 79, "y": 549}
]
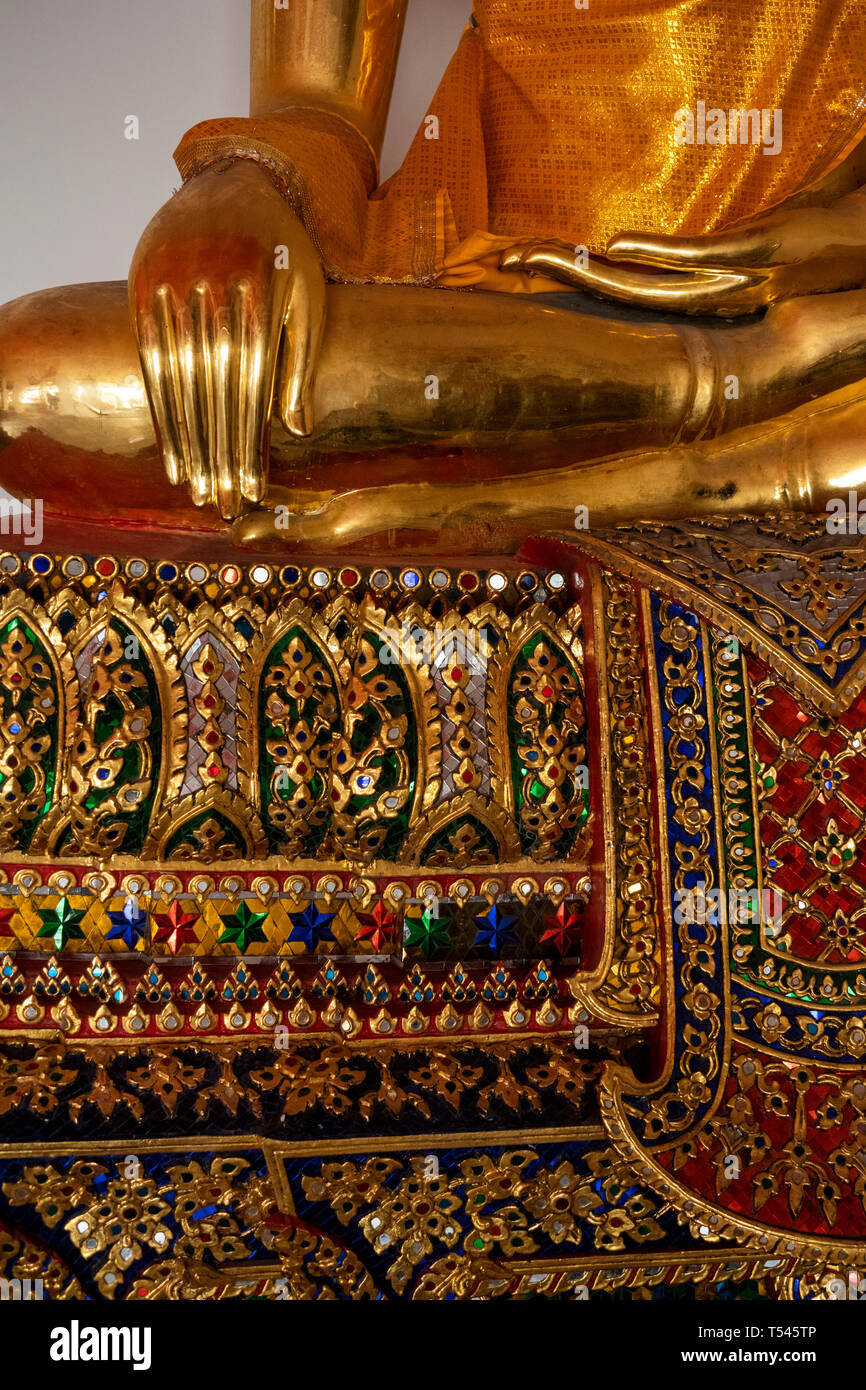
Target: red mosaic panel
[
  {"x": 796, "y": 1135},
  {"x": 812, "y": 780}
]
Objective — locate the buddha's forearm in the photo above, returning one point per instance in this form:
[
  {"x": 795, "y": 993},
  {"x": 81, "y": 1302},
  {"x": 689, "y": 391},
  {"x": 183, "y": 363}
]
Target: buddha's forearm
[
  {"x": 487, "y": 371},
  {"x": 409, "y": 366},
  {"x": 339, "y": 55}
]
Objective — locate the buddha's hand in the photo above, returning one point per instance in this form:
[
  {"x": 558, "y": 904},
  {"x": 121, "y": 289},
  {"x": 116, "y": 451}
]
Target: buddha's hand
[
  {"x": 795, "y": 251},
  {"x": 227, "y": 297}
]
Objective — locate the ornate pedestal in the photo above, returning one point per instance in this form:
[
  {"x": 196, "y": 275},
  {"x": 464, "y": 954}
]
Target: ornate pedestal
[{"x": 440, "y": 932}]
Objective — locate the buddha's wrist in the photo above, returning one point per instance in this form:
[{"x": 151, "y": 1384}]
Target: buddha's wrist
[
  {"x": 283, "y": 143},
  {"x": 317, "y": 160}
]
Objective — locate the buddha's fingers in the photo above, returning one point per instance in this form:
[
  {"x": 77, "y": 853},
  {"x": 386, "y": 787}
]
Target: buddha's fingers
[
  {"x": 195, "y": 373},
  {"x": 165, "y": 313},
  {"x": 737, "y": 250},
  {"x": 304, "y": 327},
  {"x": 240, "y": 354},
  {"x": 695, "y": 292},
  {"x": 225, "y": 385},
  {"x": 256, "y": 342},
  {"x": 155, "y": 351},
  {"x": 700, "y": 292}
]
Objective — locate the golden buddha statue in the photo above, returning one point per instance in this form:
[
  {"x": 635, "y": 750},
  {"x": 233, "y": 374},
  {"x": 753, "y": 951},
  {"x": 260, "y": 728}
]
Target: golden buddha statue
[
  {"x": 666, "y": 299},
  {"x": 621, "y": 275}
]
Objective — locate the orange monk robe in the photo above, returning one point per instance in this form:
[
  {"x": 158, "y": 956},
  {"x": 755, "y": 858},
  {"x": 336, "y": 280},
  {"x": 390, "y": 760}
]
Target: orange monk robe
[{"x": 558, "y": 122}]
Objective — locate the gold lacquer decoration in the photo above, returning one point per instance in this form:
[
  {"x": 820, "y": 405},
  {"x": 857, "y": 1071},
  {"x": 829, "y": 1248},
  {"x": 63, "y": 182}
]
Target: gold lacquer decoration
[
  {"x": 300, "y": 707},
  {"x": 346, "y": 743},
  {"x": 551, "y": 771},
  {"x": 219, "y": 724},
  {"x": 34, "y": 693},
  {"x": 789, "y": 588},
  {"x": 125, "y": 737},
  {"x": 631, "y": 983},
  {"x": 537, "y": 724},
  {"x": 209, "y": 705}
]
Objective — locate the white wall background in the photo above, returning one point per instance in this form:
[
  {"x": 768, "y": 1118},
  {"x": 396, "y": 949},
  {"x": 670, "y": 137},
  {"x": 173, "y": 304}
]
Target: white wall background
[{"x": 75, "y": 195}]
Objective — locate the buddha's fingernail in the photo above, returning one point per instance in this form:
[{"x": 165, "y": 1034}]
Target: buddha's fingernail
[{"x": 300, "y": 421}]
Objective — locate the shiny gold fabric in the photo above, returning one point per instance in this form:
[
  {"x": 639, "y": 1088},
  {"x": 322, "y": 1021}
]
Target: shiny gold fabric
[{"x": 556, "y": 122}]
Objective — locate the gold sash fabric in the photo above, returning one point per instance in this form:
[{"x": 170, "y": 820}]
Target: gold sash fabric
[{"x": 559, "y": 122}]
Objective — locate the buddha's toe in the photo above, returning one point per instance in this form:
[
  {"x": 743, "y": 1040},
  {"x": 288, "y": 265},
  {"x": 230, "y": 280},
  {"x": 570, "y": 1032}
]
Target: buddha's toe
[{"x": 287, "y": 518}]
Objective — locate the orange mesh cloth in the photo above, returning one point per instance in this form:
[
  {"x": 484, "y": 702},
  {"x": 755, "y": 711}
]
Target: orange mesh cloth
[{"x": 555, "y": 122}]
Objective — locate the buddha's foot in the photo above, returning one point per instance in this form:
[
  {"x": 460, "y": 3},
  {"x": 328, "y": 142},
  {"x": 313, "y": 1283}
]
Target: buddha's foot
[
  {"x": 292, "y": 519},
  {"x": 288, "y": 518}
]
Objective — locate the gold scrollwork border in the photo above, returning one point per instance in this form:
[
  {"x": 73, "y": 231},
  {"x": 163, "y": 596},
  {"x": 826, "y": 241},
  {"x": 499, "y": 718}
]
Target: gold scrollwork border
[
  {"x": 632, "y": 949},
  {"x": 170, "y": 685}
]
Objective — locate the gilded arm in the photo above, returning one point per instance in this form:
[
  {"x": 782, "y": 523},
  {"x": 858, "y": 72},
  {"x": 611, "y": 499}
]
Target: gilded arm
[
  {"x": 334, "y": 55},
  {"x": 227, "y": 290}
]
